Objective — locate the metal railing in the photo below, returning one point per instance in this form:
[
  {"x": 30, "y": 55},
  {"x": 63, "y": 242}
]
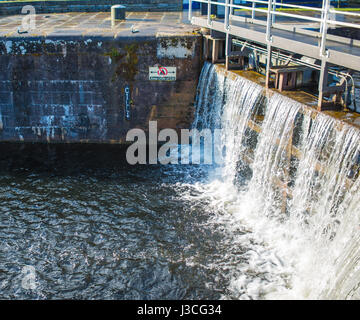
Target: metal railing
[{"x": 327, "y": 15}]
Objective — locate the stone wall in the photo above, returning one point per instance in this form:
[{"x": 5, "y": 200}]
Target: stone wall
[
  {"x": 72, "y": 90},
  {"x": 11, "y": 8}
]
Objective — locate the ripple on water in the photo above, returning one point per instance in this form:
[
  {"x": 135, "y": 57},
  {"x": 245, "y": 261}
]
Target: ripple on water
[{"x": 95, "y": 228}]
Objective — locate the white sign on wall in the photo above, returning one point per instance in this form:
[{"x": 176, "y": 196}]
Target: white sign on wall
[{"x": 162, "y": 73}]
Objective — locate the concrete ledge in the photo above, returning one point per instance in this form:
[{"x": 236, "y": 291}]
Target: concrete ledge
[{"x": 13, "y": 8}]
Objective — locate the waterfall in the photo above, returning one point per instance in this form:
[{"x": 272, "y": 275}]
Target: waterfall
[{"x": 295, "y": 175}]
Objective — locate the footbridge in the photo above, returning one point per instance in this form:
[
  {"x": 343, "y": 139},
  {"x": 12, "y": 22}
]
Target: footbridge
[{"x": 321, "y": 38}]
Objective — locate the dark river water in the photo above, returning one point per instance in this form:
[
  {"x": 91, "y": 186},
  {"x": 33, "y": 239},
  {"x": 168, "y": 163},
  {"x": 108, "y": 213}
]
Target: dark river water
[{"x": 94, "y": 227}]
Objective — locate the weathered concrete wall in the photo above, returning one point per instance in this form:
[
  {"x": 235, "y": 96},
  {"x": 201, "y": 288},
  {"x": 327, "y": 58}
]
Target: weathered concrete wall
[
  {"x": 72, "y": 90},
  {"x": 11, "y": 8}
]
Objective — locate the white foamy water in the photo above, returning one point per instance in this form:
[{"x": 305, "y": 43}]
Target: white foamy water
[{"x": 297, "y": 201}]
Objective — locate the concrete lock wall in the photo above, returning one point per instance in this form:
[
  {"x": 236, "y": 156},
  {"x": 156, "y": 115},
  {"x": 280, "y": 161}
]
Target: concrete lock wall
[
  {"x": 10, "y": 8},
  {"x": 77, "y": 90}
]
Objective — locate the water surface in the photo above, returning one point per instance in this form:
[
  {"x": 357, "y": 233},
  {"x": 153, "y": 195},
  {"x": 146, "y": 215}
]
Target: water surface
[{"x": 94, "y": 227}]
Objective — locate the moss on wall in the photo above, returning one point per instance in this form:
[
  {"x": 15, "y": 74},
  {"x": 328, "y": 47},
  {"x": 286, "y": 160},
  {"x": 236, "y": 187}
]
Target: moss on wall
[{"x": 126, "y": 62}]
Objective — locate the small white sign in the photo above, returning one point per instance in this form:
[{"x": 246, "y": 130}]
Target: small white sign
[{"x": 162, "y": 73}]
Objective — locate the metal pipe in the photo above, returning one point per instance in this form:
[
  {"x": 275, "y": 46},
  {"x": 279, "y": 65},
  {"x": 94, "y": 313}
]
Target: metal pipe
[
  {"x": 208, "y": 13},
  {"x": 345, "y": 13},
  {"x": 227, "y": 44},
  {"x": 344, "y": 24},
  {"x": 296, "y": 16},
  {"x": 268, "y": 22},
  {"x": 324, "y": 28},
  {"x": 226, "y": 15},
  {"x": 273, "y": 9},
  {"x": 190, "y": 10},
  {"x": 322, "y": 17},
  {"x": 297, "y": 6}
]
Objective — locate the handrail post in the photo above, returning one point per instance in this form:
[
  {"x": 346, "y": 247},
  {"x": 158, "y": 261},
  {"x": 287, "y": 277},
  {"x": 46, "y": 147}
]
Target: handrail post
[
  {"x": 226, "y": 14},
  {"x": 324, "y": 27},
  {"x": 323, "y": 77},
  {"x": 268, "y": 22},
  {"x": 208, "y": 13},
  {"x": 269, "y": 47},
  {"x": 227, "y": 49},
  {"x": 322, "y": 16},
  {"x": 190, "y": 10},
  {"x": 324, "y": 65},
  {"x": 253, "y": 11}
]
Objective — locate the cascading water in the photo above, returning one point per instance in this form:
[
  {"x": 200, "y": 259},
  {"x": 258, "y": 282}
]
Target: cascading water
[{"x": 289, "y": 177}]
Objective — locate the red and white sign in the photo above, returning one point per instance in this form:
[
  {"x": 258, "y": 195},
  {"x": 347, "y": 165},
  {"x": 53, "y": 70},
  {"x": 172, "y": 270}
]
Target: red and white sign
[{"x": 162, "y": 73}]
